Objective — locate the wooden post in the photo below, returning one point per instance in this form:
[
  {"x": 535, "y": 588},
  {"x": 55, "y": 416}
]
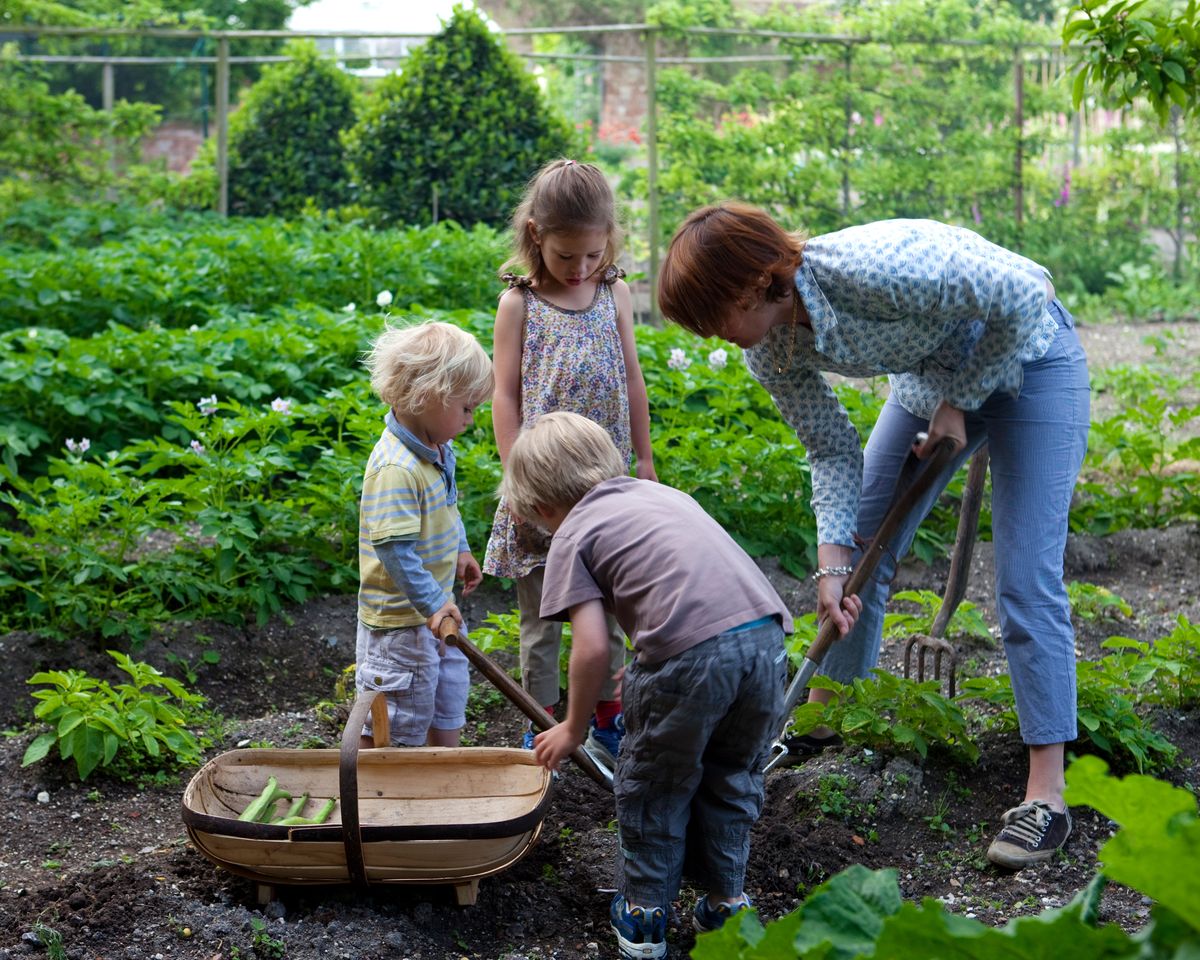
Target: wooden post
[
  {"x": 222, "y": 94},
  {"x": 108, "y": 86},
  {"x": 1019, "y": 126},
  {"x": 651, "y": 38}
]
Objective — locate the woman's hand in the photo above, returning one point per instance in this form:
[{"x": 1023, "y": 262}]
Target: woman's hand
[
  {"x": 947, "y": 421},
  {"x": 831, "y": 603},
  {"x": 466, "y": 569}
]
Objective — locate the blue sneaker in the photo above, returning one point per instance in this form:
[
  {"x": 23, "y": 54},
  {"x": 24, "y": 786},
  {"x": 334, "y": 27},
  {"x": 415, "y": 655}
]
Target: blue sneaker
[
  {"x": 706, "y": 918},
  {"x": 641, "y": 932},
  {"x": 527, "y": 739},
  {"x": 604, "y": 745}
]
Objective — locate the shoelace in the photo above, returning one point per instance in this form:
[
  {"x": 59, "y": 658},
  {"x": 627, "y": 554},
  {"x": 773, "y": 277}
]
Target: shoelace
[{"x": 1028, "y": 822}]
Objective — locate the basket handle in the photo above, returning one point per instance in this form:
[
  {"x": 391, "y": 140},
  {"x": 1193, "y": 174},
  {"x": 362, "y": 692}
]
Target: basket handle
[{"x": 375, "y": 703}]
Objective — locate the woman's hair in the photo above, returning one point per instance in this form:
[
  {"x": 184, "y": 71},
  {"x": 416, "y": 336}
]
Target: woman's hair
[
  {"x": 556, "y": 461},
  {"x": 719, "y": 258},
  {"x": 563, "y": 197},
  {"x": 425, "y": 364}
]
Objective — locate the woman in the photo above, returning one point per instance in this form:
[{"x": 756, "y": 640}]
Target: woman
[{"x": 976, "y": 348}]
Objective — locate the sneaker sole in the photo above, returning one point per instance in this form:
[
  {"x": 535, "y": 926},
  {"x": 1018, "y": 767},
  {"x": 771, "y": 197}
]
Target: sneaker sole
[
  {"x": 1014, "y": 858},
  {"x": 639, "y": 950},
  {"x": 598, "y": 752}
]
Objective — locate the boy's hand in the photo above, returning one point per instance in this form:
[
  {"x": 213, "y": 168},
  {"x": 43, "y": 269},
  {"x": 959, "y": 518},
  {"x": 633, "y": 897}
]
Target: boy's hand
[
  {"x": 467, "y": 570},
  {"x": 448, "y": 609},
  {"x": 551, "y": 747}
]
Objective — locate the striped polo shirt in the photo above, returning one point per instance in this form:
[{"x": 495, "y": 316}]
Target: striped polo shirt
[{"x": 407, "y": 494}]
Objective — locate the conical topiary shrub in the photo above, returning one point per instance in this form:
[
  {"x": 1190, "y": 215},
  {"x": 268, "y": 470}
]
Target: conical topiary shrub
[{"x": 463, "y": 122}]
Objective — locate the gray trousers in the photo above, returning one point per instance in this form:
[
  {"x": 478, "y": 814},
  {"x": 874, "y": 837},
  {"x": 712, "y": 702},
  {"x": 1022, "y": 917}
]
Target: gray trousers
[
  {"x": 541, "y": 644},
  {"x": 689, "y": 779}
]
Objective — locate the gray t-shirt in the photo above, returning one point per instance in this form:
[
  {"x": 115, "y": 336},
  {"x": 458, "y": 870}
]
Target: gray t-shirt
[{"x": 662, "y": 566}]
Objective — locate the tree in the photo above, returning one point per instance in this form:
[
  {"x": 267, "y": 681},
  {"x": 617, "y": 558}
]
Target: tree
[
  {"x": 285, "y": 142},
  {"x": 1132, "y": 52},
  {"x": 457, "y": 134}
]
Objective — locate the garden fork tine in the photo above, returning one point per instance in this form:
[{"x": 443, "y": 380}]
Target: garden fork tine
[
  {"x": 956, "y": 580},
  {"x": 904, "y": 501}
]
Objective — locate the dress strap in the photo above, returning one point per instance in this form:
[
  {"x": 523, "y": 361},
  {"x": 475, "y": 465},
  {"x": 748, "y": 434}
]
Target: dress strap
[{"x": 517, "y": 281}]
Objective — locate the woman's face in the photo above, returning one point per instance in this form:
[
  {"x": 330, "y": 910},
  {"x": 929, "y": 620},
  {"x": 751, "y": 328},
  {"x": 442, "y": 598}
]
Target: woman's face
[{"x": 747, "y": 325}]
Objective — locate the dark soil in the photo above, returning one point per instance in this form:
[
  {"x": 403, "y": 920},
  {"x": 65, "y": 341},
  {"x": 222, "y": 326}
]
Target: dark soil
[{"x": 107, "y": 864}]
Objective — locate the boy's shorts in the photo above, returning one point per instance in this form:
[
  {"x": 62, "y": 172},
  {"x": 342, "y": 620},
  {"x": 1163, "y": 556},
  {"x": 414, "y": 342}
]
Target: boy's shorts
[{"x": 424, "y": 690}]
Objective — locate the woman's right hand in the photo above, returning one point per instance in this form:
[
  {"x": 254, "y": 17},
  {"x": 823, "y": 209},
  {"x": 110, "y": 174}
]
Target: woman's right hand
[{"x": 832, "y": 603}]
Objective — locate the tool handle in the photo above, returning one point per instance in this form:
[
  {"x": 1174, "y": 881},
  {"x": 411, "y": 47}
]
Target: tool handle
[{"x": 519, "y": 697}]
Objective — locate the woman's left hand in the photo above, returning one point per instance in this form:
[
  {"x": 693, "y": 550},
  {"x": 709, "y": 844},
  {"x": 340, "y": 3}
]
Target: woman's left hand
[{"x": 947, "y": 421}]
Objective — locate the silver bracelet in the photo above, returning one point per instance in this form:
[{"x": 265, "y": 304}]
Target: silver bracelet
[{"x": 832, "y": 572}]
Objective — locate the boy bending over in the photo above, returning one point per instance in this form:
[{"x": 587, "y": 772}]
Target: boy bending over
[
  {"x": 411, "y": 542},
  {"x": 704, "y": 694}
]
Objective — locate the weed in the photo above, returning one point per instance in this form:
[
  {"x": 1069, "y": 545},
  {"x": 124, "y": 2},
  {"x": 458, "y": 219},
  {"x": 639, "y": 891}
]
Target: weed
[
  {"x": 52, "y": 940},
  {"x": 832, "y": 797}
]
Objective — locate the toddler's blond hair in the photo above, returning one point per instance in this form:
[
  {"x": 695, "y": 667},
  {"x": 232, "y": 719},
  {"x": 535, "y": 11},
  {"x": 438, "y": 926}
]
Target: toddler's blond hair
[
  {"x": 556, "y": 461},
  {"x": 415, "y": 366}
]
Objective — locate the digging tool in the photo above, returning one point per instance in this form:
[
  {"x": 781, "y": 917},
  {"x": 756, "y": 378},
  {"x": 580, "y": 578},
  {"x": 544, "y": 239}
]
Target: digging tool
[
  {"x": 520, "y": 698},
  {"x": 956, "y": 581},
  {"x": 916, "y": 476}
]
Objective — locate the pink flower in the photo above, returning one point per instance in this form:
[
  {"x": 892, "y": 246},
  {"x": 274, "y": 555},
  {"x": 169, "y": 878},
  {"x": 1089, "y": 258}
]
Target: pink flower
[
  {"x": 81, "y": 447},
  {"x": 878, "y": 118},
  {"x": 207, "y": 405},
  {"x": 279, "y": 405},
  {"x": 197, "y": 447}
]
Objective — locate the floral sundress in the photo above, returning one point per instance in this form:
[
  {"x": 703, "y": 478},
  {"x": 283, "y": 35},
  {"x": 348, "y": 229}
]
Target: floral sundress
[{"x": 570, "y": 360}]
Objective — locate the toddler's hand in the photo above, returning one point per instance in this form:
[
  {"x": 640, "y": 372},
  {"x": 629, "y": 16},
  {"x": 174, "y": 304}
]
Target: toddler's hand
[
  {"x": 467, "y": 570},
  {"x": 551, "y": 747},
  {"x": 434, "y": 623}
]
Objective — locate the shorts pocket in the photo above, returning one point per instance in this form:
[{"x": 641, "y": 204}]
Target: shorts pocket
[{"x": 377, "y": 674}]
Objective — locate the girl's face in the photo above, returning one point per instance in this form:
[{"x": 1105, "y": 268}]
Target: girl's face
[{"x": 571, "y": 258}]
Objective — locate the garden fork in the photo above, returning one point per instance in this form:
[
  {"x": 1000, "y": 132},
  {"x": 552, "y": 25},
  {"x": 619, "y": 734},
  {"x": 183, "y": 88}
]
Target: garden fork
[
  {"x": 915, "y": 479},
  {"x": 934, "y": 644}
]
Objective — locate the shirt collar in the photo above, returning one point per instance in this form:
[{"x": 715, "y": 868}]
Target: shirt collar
[
  {"x": 820, "y": 313},
  {"x": 409, "y": 439}
]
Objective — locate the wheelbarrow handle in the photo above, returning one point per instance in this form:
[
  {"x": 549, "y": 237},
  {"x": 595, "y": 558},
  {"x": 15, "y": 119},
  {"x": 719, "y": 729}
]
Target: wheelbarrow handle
[
  {"x": 519, "y": 697},
  {"x": 925, "y": 474}
]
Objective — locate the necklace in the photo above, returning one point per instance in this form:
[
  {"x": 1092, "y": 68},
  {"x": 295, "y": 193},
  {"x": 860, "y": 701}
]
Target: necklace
[{"x": 791, "y": 349}]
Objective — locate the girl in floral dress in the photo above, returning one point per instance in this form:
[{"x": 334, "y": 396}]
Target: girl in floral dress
[{"x": 564, "y": 341}]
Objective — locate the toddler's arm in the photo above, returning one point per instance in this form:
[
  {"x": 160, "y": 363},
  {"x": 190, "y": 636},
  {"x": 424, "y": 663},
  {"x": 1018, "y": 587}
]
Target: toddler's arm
[
  {"x": 635, "y": 384},
  {"x": 585, "y": 676},
  {"x": 506, "y": 365}
]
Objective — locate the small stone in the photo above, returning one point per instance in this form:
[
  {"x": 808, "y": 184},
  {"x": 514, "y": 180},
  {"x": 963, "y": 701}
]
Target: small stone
[{"x": 43, "y": 797}]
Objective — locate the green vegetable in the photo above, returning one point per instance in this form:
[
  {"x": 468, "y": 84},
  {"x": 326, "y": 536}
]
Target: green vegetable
[
  {"x": 260, "y": 808},
  {"x": 294, "y": 810},
  {"x": 321, "y": 816}
]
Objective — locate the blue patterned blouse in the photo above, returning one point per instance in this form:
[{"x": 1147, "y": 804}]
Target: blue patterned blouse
[{"x": 943, "y": 312}]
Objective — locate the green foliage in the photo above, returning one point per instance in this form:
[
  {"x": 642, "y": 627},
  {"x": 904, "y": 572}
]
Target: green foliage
[
  {"x": 860, "y": 913},
  {"x": 892, "y": 714},
  {"x": 142, "y": 722},
  {"x": 966, "y": 621},
  {"x": 57, "y": 145},
  {"x": 285, "y": 144},
  {"x": 1091, "y": 602},
  {"x": 1132, "y": 50},
  {"x": 464, "y": 123},
  {"x": 1179, "y": 654}
]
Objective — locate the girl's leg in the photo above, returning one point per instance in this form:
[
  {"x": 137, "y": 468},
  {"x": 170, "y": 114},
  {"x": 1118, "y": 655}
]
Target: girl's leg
[
  {"x": 1037, "y": 442},
  {"x": 541, "y": 641},
  {"x": 855, "y": 654}
]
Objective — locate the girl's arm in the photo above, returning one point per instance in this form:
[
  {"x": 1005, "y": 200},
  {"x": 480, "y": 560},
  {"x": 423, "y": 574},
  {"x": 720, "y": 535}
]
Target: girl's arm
[
  {"x": 635, "y": 384},
  {"x": 506, "y": 365}
]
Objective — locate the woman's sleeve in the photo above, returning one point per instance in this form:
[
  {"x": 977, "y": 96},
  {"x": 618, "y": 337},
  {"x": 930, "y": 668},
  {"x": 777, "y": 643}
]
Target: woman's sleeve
[
  {"x": 811, "y": 408},
  {"x": 1011, "y": 302}
]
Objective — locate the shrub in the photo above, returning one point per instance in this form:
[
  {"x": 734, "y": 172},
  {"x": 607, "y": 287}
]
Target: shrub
[
  {"x": 464, "y": 122},
  {"x": 285, "y": 142}
]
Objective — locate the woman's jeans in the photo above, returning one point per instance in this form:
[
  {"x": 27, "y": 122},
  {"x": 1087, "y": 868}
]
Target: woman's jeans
[{"x": 1037, "y": 441}]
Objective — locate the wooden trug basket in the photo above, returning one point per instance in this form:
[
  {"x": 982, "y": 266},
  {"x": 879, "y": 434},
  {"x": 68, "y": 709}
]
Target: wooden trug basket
[{"x": 423, "y": 815}]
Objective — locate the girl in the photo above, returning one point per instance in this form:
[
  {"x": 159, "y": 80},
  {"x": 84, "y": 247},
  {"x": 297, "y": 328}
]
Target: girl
[
  {"x": 977, "y": 348},
  {"x": 564, "y": 341}
]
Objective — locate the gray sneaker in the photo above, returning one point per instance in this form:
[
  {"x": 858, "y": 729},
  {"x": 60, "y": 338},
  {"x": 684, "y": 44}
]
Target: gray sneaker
[{"x": 1031, "y": 834}]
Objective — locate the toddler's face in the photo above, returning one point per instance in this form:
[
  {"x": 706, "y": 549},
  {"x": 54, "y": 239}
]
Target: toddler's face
[
  {"x": 572, "y": 258},
  {"x": 442, "y": 424}
]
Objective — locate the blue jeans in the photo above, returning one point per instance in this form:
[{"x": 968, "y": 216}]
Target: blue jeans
[
  {"x": 689, "y": 780},
  {"x": 1037, "y": 441}
]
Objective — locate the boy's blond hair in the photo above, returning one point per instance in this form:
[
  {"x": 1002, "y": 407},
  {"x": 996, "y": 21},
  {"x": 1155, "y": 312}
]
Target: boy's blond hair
[
  {"x": 556, "y": 461},
  {"x": 425, "y": 364}
]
